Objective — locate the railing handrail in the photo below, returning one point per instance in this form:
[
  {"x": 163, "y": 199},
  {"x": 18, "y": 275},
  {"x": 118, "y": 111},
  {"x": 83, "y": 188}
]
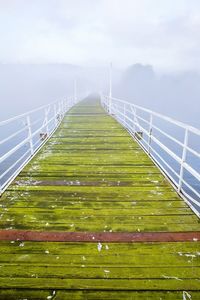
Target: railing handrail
[
  {"x": 4, "y": 122},
  {"x": 129, "y": 115},
  {"x": 36, "y": 131},
  {"x": 164, "y": 117}
]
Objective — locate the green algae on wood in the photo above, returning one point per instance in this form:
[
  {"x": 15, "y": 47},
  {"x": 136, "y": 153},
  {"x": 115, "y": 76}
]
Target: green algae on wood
[
  {"x": 47, "y": 265},
  {"x": 92, "y": 176}
]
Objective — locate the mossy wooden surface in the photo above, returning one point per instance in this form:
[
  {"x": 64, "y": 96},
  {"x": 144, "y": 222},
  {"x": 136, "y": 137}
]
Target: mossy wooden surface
[
  {"x": 98, "y": 271},
  {"x": 92, "y": 176}
]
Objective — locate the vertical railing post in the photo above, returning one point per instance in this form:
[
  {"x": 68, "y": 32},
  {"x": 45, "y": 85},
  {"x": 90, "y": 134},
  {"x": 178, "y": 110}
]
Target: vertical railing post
[
  {"x": 75, "y": 91},
  {"x": 62, "y": 105},
  {"x": 110, "y": 106},
  {"x": 150, "y": 133},
  {"x": 136, "y": 123},
  {"x": 66, "y": 109},
  {"x": 65, "y": 106},
  {"x": 66, "y": 101},
  {"x": 133, "y": 109},
  {"x": 183, "y": 159},
  {"x": 59, "y": 112},
  {"x": 61, "y": 109},
  {"x": 68, "y": 104},
  {"x": 55, "y": 115},
  {"x": 135, "y": 119},
  {"x": 124, "y": 113},
  {"x": 46, "y": 120},
  {"x": 28, "y": 121},
  {"x": 110, "y": 89},
  {"x": 102, "y": 99},
  {"x": 71, "y": 102}
]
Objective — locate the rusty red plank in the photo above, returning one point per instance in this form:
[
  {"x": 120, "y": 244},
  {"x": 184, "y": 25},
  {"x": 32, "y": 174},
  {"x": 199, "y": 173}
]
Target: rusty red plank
[{"x": 119, "y": 237}]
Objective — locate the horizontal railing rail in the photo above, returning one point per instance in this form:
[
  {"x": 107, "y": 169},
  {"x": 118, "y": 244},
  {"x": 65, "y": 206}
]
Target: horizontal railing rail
[
  {"x": 173, "y": 145},
  {"x": 22, "y": 136}
]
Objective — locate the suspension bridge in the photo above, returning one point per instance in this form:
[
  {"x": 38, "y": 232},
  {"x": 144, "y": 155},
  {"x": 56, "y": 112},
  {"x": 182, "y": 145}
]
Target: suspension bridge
[{"x": 95, "y": 204}]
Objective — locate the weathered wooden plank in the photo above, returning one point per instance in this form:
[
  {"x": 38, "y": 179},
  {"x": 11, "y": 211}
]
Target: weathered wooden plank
[
  {"x": 58, "y": 271},
  {"x": 104, "y": 212},
  {"x": 105, "y": 226},
  {"x": 107, "y": 195},
  {"x": 96, "y": 204},
  {"x": 92, "y": 177},
  {"x": 96, "y": 284},
  {"x": 180, "y": 250},
  {"x": 117, "y": 237},
  {"x": 88, "y": 266},
  {"x": 13, "y": 294}
]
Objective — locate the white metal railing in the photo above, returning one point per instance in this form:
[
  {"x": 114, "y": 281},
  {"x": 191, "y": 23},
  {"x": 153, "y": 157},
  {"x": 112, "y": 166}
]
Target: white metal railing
[
  {"x": 173, "y": 145},
  {"x": 22, "y": 136}
]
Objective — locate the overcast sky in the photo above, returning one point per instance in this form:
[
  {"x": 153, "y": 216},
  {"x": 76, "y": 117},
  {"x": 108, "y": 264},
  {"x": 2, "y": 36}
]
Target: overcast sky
[{"x": 164, "y": 33}]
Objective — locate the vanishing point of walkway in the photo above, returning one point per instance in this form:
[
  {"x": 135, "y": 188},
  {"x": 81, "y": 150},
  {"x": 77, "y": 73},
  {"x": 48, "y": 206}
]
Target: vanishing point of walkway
[{"x": 91, "y": 217}]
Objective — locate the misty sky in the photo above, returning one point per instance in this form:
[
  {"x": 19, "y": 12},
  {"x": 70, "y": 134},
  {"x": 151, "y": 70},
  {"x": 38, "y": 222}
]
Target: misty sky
[{"x": 163, "y": 33}]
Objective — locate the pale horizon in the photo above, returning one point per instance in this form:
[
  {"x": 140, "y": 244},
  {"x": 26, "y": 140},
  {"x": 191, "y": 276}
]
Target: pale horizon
[{"x": 164, "y": 34}]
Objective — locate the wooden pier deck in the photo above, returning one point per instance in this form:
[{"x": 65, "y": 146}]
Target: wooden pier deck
[{"x": 91, "y": 217}]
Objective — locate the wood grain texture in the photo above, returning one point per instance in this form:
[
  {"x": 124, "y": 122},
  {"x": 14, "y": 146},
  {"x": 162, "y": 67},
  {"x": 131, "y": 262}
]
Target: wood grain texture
[
  {"x": 120, "y": 237},
  {"x": 92, "y": 177}
]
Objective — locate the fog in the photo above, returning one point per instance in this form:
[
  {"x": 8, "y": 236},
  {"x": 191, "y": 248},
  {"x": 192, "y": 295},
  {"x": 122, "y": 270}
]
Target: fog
[
  {"x": 153, "y": 45},
  {"x": 45, "y": 46},
  {"x": 27, "y": 86},
  {"x": 174, "y": 94}
]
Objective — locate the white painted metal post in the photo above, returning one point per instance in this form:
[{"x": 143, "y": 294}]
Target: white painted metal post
[
  {"x": 110, "y": 106},
  {"x": 101, "y": 98},
  {"x": 107, "y": 103},
  {"x": 134, "y": 119},
  {"x": 133, "y": 109},
  {"x": 59, "y": 112},
  {"x": 50, "y": 113},
  {"x": 67, "y": 104},
  {"x": 110, "y": 89},
  {"x": 55, "y": 115},
  {"x": 46, "y": 120},
  {"x": 71, "y": 101},
  {"x": 63, "y": 110},
  {"x": 66, "y": 100},
  {"x": 183, "y": 160},
  {"x": 64, "y": 107},
  {"x": 75, "y": 91},
  {"x": 28, "y": 121},
  {"x": 124, "y": 113},
  {"x": 150, "y": 133}
]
